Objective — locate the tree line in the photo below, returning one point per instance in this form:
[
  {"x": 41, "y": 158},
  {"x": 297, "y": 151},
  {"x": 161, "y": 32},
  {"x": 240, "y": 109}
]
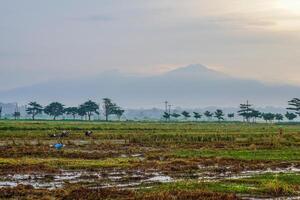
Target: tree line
[
  {"x": 89, "y": 108},
  {"x": 246, "y": 111},
  {"x": 85, "y": 110}
]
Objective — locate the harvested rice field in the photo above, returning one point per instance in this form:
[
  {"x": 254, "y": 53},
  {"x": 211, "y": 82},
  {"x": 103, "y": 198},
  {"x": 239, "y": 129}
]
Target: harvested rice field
[{"x": 139, "y": 160}]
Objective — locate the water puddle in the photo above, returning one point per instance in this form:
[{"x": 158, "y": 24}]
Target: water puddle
[
  {"x": 127, "y": 179},
  {"x": 100, "y": 179},
  {"x": 226, "y": 173}
]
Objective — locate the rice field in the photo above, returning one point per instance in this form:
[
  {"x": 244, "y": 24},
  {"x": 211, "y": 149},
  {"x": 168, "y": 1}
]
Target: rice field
[{"x": 149, "y": 160}]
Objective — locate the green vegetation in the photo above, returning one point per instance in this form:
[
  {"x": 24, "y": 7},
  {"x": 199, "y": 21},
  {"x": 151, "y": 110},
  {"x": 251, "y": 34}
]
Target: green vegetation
[
  {"x": 292, "y": 154},
  {"x": 199, "y": 158}
]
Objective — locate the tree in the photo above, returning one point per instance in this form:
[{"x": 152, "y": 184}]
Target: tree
[
  {"x": 0, "y": 112},
  {"x": 245, "y": 111},
  {"x": 81, "y": 111},
  {"x": 34, "y": 109},
  {"x": 295, "y": 105},
  {"x": 71, "y": 111},
  {"x": 167, "y": 116},
  {"x": 208, "y": 115},
  {"x": 197, "y": 115},
  {"x": 268, "y": 117},
  {"x": 17, "y": 115},
  {"x": 89, "y": 108},
  {"x": 119, "y": 112},
  {"x": 254, "y": 114},
  {"x": 230, "y": 115},
  {"x": 219, "y": 114},
  {"x": 54, "y": 109},
  {"x": 175, "y": 115},
  {"x": 186, "y": 115},
  {"x": 290, "y": 116},
  {"x": 109, "y": 108},
  {"x": 279, "y": 117}
]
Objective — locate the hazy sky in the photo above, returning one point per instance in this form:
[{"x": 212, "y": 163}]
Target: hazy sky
[{"x": 41, "y": 40}]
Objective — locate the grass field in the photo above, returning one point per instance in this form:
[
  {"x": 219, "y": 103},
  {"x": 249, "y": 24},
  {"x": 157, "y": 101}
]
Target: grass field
[{"x": 139, "y": 160}]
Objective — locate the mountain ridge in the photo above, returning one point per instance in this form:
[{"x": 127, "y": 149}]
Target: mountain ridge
[{"x": 186, "y": 86}]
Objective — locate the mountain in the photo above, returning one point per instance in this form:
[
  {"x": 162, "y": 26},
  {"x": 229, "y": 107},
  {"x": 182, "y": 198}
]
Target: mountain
[{"x": 190, "y": 86}]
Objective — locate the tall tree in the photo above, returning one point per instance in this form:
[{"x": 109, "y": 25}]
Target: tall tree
[
  {"x": 119, "y": 112},
  {"x": 186, "y": 115},
  {"x": 197, "y": 115},
  {"x": 89, "y": 108},
  {"x": 219, "y": 114},
  {"x": 279, "y": 117},
  {"x": 34, "y": 109},
  {"x": 109, "y": 108},
  {"x": 208, "y": 114},
  {"x": 290, "y": 116},
  {"x": 0, "y": 112},
  {"x": 230, "y": 115},
  {"x": 245, "y": 111},
  {"x": 54, "y": 109},
  {"x": 294, "y": 105},
  {"x": 71, "y": 111}
]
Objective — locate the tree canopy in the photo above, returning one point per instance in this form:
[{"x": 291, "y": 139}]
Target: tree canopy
[
  {"x": 88, "y": 108},
  {"x": 34, "y": 109},
  {"x": 197, "y": 115},
  {"x": 294, "y": 105},
  {"x": 219, "y": 114},
  {"x": 186, "y": 115},
  {"x": 290, "y": 116},
  {"x": 54, "y": 109},
  {"x": 71, "y": 111}
]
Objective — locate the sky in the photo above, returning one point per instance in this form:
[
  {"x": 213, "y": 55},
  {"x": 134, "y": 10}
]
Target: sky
[{"x": 59, "y": 39}]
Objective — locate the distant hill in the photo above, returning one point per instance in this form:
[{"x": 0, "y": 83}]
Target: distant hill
[{"x": 190, "y": 86}]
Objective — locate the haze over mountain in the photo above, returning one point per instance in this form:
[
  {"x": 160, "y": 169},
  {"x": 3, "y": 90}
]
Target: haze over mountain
[{"x": 191, "y": 86}]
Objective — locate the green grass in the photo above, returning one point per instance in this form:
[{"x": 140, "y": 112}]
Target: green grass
[
  {"x": 266, "y": 184},
  {"x": 67, "y": 163},
  {"x": 292, "y": 154}
]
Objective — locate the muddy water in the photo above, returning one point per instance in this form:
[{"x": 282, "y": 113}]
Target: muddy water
[
  {"x": 125, "y": 179},
  {"x": 94, "y": 179},
  {"x": 211, "y": 175}
]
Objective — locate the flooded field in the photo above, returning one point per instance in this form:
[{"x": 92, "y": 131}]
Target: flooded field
[{"x": 149, "y": 161}]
